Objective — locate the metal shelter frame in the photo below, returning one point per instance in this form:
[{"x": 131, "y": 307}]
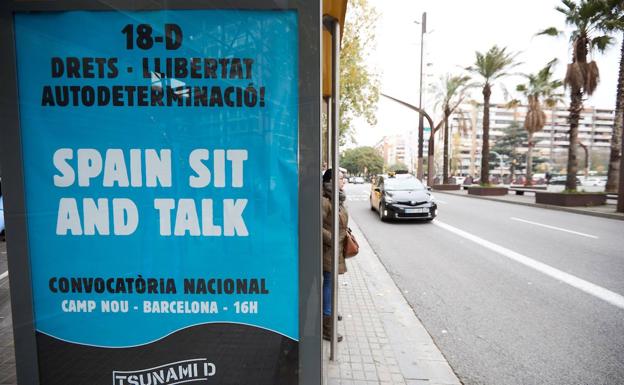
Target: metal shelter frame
[{"x": 309, "y": 227}]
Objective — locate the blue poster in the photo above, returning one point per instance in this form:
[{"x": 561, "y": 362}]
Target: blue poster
[{"x": 161, "y": 172}]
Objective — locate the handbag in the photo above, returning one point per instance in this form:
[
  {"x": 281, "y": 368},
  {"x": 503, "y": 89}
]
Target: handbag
[{"x": 351, "y": 246}]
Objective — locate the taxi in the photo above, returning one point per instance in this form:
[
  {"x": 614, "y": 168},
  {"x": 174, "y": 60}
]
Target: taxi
[{"x": 402, "y": 196}]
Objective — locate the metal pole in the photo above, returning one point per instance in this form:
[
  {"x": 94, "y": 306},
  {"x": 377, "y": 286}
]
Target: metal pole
[
  {"x": 500, "y": 162},
  {"x": 430, "y": 155},
  {"x": 431, "y": 139},
  {"x": 588, "y": 163},
  {"x": 552, "y": 139},
  {"x": 335, "y": 176},
  {"x": 421, "y": 130},
  {"x": 620, "y": 201},
  {"x": 328, "y": 134}
]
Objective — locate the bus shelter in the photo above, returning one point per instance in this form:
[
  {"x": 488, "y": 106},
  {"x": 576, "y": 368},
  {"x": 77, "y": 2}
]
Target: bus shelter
[{"x": 161, "y": 181}]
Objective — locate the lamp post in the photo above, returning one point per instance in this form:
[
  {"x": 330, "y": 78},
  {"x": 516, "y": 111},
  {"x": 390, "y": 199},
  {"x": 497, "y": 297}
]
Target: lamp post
[
  {"x": 421, "y": 131},
  {"x": 422, "y": 113},
  {"x": 500, "y": 162}
]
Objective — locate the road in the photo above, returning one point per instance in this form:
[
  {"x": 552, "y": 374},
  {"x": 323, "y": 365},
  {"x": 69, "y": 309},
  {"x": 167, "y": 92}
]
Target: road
[{"x": 511, "y": 294}]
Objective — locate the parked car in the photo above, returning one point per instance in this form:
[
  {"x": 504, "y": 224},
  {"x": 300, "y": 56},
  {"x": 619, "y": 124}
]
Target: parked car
[
  {"x": 561, "y": 181},
  {"x": 402, "y": 197},
  {"x": 594, "y": 181},
  {"x": 351, "y": 179},
  {"x": 458, "y": 179},
  {"x": 359, "y": 179}
]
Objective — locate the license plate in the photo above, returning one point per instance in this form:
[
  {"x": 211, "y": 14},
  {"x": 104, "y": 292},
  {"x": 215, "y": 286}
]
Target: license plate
[{"x": 416, "y": 211}]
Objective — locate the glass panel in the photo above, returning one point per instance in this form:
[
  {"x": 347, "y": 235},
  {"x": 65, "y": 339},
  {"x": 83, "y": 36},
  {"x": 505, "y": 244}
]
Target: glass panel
[{"x": 161, "y": 169}]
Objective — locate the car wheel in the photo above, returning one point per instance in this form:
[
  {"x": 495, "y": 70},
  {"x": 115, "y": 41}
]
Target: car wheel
[{"x": 381, "y": 213}]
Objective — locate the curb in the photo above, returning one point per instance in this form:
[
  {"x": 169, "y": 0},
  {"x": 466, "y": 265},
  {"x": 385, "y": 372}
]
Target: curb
[{"x": 541, "y": 206}]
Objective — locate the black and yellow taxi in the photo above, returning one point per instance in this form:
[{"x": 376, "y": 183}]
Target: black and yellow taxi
[{"x": 402, "y": 196}]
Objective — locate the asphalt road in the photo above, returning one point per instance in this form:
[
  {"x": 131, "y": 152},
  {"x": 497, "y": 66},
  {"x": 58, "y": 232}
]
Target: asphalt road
[{"x": 511, "y": 294}]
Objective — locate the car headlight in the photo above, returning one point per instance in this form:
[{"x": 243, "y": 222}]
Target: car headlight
[
  {"x": 388, "y": 199},
  {"x": 431, "y": 198}
]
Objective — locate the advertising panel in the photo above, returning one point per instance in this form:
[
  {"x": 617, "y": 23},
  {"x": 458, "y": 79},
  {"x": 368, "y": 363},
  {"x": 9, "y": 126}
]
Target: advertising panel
[{"x": 160, "y": 158}]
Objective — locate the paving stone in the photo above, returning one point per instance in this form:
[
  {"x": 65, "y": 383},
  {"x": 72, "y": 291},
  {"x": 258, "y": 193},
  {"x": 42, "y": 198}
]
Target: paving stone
[
  {"x": 371, "y": 376},
  {"x": 358, "y": 375}
]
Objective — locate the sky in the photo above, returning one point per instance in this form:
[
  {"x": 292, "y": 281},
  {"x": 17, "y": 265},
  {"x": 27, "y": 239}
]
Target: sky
[{"x": 456, "y": 29}]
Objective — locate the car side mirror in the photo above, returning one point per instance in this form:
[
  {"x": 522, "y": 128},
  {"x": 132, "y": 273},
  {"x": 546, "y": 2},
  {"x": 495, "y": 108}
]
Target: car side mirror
[{"x": 428, "y": 188}]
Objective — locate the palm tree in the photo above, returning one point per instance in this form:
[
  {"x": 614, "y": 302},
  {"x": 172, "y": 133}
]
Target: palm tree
[
  {"x": 450, "y": 93},
  {"x": 581, "y": 76},
  {"x": 612, "y": 20},
  {"x": 539, "y": 85},
  {"x": 491, "y": 66}
]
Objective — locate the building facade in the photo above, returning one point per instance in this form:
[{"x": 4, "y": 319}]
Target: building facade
[{"x": 595, "y": 129}]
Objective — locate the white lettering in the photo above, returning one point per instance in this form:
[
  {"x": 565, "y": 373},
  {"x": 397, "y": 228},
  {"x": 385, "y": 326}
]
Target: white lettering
[
  {"x": 68, "y": 217},
  {"x": 115, "y": 169},
  {"x": 89, "y": 165},
  {"x": 203, "y": 173},
  {"x": 237, "y": 157},
  {"x": 186, "y": 218},
  {"x": 164, "y": 207},
  {"x": 219, "y": 168},
  {"x": 136, "y": 170},
  {"x": 67, "y": 176},
  {"x": 208, "y": 227},
  {"x": 125, "y": 216},
  {"x": 233, "y": 223},
  {"x": 95, "y": 216},
  {"x": 157, "y": 168}
]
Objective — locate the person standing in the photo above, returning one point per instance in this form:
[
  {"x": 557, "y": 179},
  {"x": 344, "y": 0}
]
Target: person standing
[{"x": 327, "y": 245}]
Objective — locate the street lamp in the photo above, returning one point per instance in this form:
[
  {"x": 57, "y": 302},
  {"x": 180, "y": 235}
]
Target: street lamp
[
  {"x": 421, "y": 130},
  {"x": 422, "y": 113},
  {"x": 500, "y": 162}
]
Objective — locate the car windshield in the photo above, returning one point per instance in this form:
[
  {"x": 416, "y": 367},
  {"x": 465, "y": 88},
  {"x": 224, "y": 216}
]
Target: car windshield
[{"x": 403, "y": 184}]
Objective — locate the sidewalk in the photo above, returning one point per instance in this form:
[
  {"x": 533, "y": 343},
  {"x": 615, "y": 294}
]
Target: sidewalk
[
  {"x": 7, "y": 357},
  {"x": 604, "y": 211},
  {"x": 384, "y": 342}
]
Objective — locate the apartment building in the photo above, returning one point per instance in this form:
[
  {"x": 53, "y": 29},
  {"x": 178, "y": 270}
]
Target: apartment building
[
  {"x": 402, "y": 148},
  {"x": 595, "y": 128}
]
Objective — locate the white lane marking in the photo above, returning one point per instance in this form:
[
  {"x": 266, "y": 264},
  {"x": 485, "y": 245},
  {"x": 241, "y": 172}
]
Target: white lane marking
[
  {"x": 554, "y": 228},
  {"x": 4, "y": 275},
  {"x": 586, "y": 286}
]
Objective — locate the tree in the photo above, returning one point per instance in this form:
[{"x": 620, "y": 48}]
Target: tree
[
  {"x": 539, "y": 86},
  {"x": 507, "y": 145},
  {"x": 397, "y": 167},
  {"x": 581, "y": 76},
  {"x": 491, "y": 66},
  {"x": 612, "y": 20},
  {"x": 450, "y": 93},
  {"x": 359, "y": 86},
  {"x": 362, "y": 160}
]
